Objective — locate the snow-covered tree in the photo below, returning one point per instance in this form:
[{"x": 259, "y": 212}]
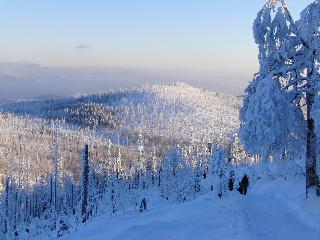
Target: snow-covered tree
[
  {"x": 177, "y": 182},
  {"x": 271, "y": 119},
  {"x": 218, "y": 170}
]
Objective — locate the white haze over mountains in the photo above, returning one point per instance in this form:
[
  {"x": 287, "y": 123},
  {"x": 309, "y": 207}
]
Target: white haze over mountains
[{"x": 28, "y": 80}]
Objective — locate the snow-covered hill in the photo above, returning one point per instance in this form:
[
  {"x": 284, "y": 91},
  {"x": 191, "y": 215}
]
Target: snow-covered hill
[
  {"x": 158, "y": 117},
  {"x": 178, "y": 110},
  {"x": 273, "y": 210}
]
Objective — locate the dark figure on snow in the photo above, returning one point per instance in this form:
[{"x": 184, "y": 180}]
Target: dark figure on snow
[
  {"x": 231, "y": 184},
  {"x": 143, "y": 205},
  {"x": 318, "y": 189},
  {"x": 243, "y": 185}
]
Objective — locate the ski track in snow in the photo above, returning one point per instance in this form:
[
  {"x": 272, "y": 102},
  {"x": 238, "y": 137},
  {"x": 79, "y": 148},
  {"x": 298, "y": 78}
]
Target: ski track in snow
[
  {"x": 261, "y": 215},
  {"x": 269, "y": 218}
]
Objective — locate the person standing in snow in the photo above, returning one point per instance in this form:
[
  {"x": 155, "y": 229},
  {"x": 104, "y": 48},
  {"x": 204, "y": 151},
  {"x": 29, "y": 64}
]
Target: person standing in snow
[
  {"x": 143, "y": 205},
  {"x": 243, "y": 185},
  {"x": 231, "y": 184}
]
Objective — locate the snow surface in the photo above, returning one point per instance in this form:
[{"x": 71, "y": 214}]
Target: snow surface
[{"x": 273, "y": 209}]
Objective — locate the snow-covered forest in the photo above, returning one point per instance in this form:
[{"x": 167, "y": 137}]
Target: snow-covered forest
[
  {"x": 70, "y": 162},
  {"x": 105, "y": 153}
]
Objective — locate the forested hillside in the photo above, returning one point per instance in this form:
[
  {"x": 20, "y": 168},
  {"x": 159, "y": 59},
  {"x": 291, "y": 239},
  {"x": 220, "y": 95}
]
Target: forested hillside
[{"x": 67, "y": 160}]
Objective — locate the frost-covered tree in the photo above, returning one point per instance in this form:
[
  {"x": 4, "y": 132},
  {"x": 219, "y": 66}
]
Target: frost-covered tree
[
  {"x": 218, "y": 169},
  {"x": 177, "y": 183},
  {"x": 272, "y": 119}
]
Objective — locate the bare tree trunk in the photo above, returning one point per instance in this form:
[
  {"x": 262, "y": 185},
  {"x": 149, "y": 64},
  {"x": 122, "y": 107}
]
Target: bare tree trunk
[
  {"x": 311, "y": 151},
  {"x": 85, "y": 183}
]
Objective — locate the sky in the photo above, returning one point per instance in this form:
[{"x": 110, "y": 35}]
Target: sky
[{"x": 207, "y": 43}]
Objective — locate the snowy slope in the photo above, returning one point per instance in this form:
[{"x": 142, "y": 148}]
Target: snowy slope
[
  {"x": 273, "y": 210},
  {"x": 159, "y": 116},
  {"x": 178, "y": 110}
]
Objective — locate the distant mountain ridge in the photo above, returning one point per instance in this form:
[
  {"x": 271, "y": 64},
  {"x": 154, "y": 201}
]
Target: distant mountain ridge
[{"x": 28, "y": 80}]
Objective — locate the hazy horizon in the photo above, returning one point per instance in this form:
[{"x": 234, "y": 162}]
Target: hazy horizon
[{"x": 28, "y": 80}]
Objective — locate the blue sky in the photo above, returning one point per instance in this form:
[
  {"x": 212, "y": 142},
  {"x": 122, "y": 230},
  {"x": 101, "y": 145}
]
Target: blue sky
[{"x": 171, "y": 37}]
